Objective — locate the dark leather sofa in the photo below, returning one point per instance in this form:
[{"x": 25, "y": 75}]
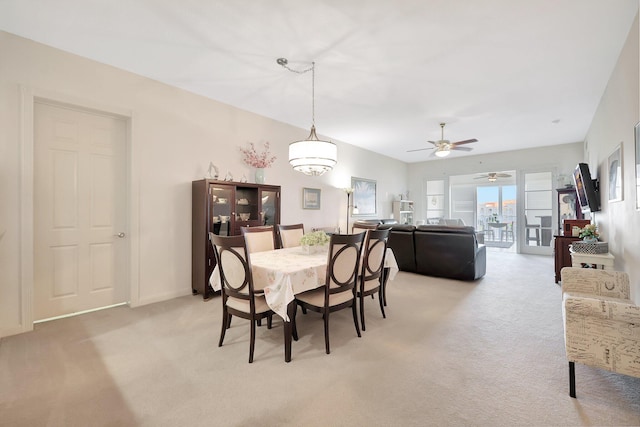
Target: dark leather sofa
[
  {"x": 376, "y": 221},
  {"x": 438, "y": 250}
]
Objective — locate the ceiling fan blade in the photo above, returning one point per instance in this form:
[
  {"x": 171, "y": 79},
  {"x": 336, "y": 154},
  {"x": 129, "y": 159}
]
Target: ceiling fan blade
[
  {"x": 434, "y": 143},
  {"x": 461, "y": 148},
  {"x": 420, "y": 149},
  {"x": 466, "y": 141},
  {"x": 503, "y": 175}
]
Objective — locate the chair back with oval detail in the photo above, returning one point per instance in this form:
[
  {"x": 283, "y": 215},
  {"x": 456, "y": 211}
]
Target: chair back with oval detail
[
  {"x": 259, "y": 239},
  {"x": 372, "y": 269},
  {"x": 239, "y": 298},
  {"x": 289, "y": 235},
  {"x": 339, "y": 290}
]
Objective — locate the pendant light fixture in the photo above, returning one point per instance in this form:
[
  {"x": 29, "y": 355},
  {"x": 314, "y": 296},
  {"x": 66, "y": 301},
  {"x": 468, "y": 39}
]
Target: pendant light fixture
[{"x": 311, "y": 156}]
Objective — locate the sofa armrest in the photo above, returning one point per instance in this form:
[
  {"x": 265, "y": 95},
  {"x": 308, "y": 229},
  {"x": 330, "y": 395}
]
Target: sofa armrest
[
  {"x": 605, "y": 283},
  {"x": 481, "y": 261},
  {"x": 618, "y": 309},
  {"x": 602, "y": 332}
]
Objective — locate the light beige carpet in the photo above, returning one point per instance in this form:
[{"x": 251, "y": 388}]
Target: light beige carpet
[{"x": 450, "y": 353}]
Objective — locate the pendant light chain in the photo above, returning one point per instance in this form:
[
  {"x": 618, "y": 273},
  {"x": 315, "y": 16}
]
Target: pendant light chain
[
  {"x": 311, "y": 156},
  {"x": 313, "y": 94},
  {"x": 285, "y": 63}
]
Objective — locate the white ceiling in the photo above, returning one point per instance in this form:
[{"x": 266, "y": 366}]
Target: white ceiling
[{"x": 387, "y": 72}]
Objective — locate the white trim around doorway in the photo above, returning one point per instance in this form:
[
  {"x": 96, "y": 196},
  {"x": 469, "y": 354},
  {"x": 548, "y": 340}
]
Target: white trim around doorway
[{"x": 28, "y": 97}]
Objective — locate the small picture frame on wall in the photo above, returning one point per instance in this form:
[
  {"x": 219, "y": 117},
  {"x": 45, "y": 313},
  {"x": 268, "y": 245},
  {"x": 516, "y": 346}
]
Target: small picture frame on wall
[
  {"x": 364, "y": 196},
  {"x": 311, "y": 198},
  {"x": 637, "y": 174},
  {"x": 616, "y": 187}
]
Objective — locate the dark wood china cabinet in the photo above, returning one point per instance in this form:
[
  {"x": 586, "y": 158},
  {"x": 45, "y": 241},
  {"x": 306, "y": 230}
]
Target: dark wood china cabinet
[{"x": 222, "y": 207}]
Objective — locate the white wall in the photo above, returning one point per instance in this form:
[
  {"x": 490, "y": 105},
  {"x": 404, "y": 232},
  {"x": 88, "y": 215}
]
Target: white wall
[
  {"x": 561, "y": 159},
  {"x": 612, "y": 125},
  {"x": 174, "y": 135}
]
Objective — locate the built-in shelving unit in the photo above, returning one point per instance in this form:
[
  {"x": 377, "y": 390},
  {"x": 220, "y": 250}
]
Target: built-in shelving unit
[{"x": 403, "y": 211}]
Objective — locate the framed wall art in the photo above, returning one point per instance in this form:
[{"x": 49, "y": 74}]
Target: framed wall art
[
  {"x": 616, "y": 186},
  {"x": 364, "y": 196},
  {"x": 311, "y": 198}
]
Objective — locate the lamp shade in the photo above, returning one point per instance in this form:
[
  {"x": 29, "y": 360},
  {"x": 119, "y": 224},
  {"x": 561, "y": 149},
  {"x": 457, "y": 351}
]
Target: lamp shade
[{"x": 312, "y": 156}]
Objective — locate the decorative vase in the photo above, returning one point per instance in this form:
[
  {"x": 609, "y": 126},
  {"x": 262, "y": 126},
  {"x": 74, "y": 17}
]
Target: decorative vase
[
  {"x": 315, "y": 249},
  {"x": 259, "y": 175},
  {"x": 590, "y": 239}
]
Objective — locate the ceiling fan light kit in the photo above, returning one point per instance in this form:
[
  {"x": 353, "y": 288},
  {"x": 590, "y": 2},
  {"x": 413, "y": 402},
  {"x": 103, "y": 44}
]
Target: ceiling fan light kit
[
  {"x": 442, "y": 152},
  {"x": 311, "y": 156},
  {"x": 443, "y": 147},
  {"x": 493, "y": 176}
]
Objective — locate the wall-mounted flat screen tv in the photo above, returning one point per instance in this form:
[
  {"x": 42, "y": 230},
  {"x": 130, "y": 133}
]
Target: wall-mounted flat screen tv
[{"x": 586, "y": 189}]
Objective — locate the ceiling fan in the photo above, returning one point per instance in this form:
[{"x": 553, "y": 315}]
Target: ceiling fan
[
  {"x": 443, "y": 147},
  {"x": 493, "y": 176}
]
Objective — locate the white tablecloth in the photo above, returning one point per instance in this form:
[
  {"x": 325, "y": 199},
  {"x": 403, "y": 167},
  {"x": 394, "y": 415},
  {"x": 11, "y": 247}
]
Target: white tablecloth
[{"x": 283, "y": 273}]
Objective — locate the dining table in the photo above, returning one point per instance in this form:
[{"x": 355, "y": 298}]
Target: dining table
[
  {"x": 284, "y": 273},
  {"x": 499, "y": 227}
]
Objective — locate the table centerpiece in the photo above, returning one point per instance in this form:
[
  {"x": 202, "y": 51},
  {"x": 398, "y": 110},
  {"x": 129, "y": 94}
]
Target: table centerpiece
[{"x": 317, "y": 241}]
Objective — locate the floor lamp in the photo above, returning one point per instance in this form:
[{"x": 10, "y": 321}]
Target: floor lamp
[{"x": 349, "y": 191}]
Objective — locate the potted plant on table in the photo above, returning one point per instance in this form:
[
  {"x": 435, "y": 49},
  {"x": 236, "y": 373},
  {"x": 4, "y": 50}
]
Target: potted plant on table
[
  {"x": 589, "y": 233},
  {"x": 314, "y": 242}
]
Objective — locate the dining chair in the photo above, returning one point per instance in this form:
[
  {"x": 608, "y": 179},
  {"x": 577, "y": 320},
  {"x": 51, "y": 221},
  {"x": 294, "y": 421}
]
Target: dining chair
[
  {"x": 359, "y": 227},
  {"x": 339, "y": 289},
  {"x": 532, "y": 227},
  {"x": 363, "y": 227},
  {"x": 239, "y": 298},
  {"x": 372, "y": 270},
  {"x": 509, "y": 232},
  {"x": 259, "y": 239},
  {"x": 289, "y": 235},
  {"x": 488, "y": 231}
]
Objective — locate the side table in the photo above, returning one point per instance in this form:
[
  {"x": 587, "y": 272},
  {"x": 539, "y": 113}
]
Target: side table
[
  {"x": 601, "y": 261},
  {"x": 561, "y": 253}
]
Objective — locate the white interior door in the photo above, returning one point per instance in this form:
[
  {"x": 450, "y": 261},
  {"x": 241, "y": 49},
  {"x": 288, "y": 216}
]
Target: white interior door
[{"x": 80, "y": 247}]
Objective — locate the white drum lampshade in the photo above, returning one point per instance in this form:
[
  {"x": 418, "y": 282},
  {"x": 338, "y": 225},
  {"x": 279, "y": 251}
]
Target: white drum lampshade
[{"x": 313, "y": 156}]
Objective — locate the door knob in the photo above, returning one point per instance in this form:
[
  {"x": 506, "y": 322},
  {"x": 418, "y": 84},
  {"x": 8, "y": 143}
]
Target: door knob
[{"x": 120, "y": 235}]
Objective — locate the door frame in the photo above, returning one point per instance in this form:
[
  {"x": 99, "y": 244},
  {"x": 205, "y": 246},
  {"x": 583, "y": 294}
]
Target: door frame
[
  {"x": 523, "y": 248},
  {"x": 28, "y": 97}
]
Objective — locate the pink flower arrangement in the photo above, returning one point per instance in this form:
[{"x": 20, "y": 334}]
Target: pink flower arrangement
[{"x": 255, "y": 159}]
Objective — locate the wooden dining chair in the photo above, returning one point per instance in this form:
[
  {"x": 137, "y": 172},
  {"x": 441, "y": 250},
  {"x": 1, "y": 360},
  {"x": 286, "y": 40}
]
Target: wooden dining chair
[
  {"x": 339, "y": 290},
  {"x": 239, "y": 298},
  {"x": 259, "y": 239},
  {"x": 371, "y": 279},
  {"x": 289, "y": 235},
  {"x": 359, "y": 227}
]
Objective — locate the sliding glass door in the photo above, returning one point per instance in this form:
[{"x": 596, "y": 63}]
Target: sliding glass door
[{"x": 496, "y": 214}]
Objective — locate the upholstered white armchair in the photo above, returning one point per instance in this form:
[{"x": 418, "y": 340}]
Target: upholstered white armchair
[{"x": 601, "y": 323}]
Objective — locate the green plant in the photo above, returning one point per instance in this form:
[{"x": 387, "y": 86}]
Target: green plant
[
  {"x": 316, "y": 238},
  {"x": 589, "y": 230}
]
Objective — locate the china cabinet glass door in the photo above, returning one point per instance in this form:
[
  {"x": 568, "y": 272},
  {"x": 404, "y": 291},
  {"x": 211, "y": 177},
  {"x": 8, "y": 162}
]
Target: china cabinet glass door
[{"x": 222, "y": 197}]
